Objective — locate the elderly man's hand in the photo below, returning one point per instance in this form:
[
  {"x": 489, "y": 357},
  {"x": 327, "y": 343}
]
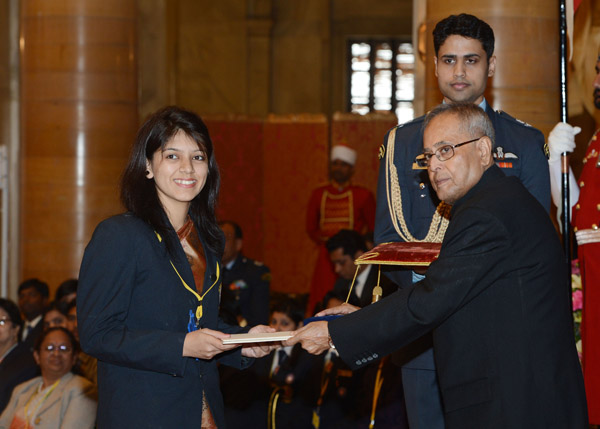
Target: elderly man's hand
[
  {"x": 345, "y": 308},
  {"x": 259, "y": 350},
  {"x": 314, "y": 338}
]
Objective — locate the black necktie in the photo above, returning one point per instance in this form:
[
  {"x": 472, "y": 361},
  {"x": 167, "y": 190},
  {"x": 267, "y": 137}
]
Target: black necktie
[{"x": 282, "y": 357}]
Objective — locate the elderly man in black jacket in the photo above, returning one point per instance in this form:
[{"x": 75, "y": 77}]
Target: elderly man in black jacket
[{"x": 496, "y": 299}]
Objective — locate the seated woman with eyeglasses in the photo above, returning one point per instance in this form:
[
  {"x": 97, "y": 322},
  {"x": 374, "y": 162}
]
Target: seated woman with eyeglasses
[{"x": 58, "y": 398}]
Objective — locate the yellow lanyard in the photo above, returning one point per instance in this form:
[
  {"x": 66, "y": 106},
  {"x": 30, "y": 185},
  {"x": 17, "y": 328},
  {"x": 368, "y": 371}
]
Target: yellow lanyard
[
  {"x": 41, "y": 402},
  {"x": 376, "y": 391},
  {"x": 198, "y": 296}
]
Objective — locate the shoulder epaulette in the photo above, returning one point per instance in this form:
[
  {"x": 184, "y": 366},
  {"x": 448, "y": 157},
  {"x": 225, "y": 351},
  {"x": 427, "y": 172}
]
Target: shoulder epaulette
[
  {"x": 411, "y": 122},
  {"x": 415, "y": 121},
  {"x": 505, "y": 115}
]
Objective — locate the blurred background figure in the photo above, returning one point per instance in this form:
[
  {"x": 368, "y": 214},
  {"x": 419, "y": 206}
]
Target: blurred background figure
[
  {"x": 282, "y": 386},
  {"x": 16, "y": 360},
  {"x": 66, "y": 291},
  {"x": 246, "y": 282},
  {"x": 344, "y": 248},
  {"x": 33, "y": 299},
  {"x": 86, "y": 365},
  {"x": 55, "y": 315},
  {"x": 58, "y": 398},
  {"x": 332, "y": 207}
]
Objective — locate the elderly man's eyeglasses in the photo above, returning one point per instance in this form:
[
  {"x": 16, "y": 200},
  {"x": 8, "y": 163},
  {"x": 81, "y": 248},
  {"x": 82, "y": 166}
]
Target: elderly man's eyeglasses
[
  {"x": 63, "y": 348},
  {"x": 443, "y": 153}
]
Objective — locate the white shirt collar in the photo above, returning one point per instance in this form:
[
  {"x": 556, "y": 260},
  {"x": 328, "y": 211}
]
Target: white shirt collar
[
  {"x": 483, "y": 103},
  {"x": 361, "y": 279},
  {"x": 33, "y": 323}
]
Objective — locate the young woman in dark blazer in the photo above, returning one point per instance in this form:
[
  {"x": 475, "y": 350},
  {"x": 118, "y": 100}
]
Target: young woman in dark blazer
[{"x": 150, "y": 284}]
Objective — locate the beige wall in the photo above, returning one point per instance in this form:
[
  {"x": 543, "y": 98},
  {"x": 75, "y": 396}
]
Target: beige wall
[
  {"x": 359, "y": 18},
  {"x": 256, "y": 57}
]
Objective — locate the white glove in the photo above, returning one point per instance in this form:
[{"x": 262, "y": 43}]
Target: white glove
[{"x": 561, "y": 139}]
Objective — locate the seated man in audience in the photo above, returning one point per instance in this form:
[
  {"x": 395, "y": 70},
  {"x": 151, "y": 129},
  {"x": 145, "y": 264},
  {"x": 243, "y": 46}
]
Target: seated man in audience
[
  {"x": 344, "y": 248},
  {"x": 33, "y": 299}
]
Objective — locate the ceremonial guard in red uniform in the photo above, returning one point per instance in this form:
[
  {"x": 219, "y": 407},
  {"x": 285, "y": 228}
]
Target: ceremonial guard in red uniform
[
  {"x": 586, "y": 219},
  {"x": 335, "y": 206},
  {"x": 585, "y": 197}
]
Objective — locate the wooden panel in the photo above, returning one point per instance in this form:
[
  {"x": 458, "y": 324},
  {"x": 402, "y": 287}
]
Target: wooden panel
[
  {"x": 64, "y": 227},
  {"x": 238, "y": 146},
  {"x": 106, "y": 143},
  {"x": 73, "y": 200},
  {"x": 78, "y": 121},
  {"x": 542, "y": 112},
  {"x": 64, "y": 171},
  {"x": 100, "y": 87},
  {"x": 77, "y": 32},
  {"x": 78, "y": 8},
  {"x": 439, "y": 9},
  {"x": 295, "y": 162}
]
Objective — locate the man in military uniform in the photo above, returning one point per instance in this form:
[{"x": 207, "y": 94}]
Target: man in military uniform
[
  {"x": 585, "y": 196},
  {"x": 408, "y": 210},
  {"x": 332, "y": 207},
  {"x": 245, "y": 290}
]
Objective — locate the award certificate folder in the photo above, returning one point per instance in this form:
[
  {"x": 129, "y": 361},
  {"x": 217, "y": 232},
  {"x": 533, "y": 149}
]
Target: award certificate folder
[
  {"x": 258, "y": 337},
  {"x": 409, "y": 254}
]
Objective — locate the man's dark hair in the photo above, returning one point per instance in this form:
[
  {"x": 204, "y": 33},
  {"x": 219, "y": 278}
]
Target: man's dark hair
[
  {"x": 13, "y": 312},
  {"x": 464, "y": 25},
  {"x": 61, "y": 306},
  {"x": 290, "y": 307},
  {"x": 39, "y": 285},
  {"x": 66, "y": 288},
  {"x": 349, "y": 240},
  {"x": 237, "y": 231}
]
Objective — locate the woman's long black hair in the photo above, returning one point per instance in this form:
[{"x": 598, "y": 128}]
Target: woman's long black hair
[{"x": 138, "y": 193}]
